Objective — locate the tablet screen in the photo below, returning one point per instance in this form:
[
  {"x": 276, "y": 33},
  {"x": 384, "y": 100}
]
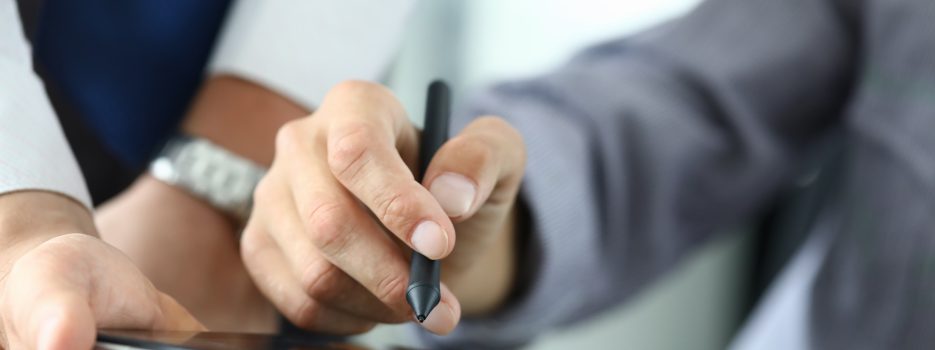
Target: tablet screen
[{"x": 165, "y": 340}]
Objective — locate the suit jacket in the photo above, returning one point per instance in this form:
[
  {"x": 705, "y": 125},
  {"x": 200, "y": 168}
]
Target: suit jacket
[{"x": 642, "y": 148}]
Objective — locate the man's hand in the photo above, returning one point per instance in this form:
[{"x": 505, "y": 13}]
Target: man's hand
[
  {"x": 190, "y": 251},
  {"x": 328, "y": 241},
  {"x": 58, "y": 283}
]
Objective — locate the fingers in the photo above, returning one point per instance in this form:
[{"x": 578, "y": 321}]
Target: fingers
[
  {"x": 273, "y": 276},
  {"x": 72, "y": 284},
  {"x": 317, "y": 242},
  {"x": 482, "y": 165},
  {"x": 330, "y": 242},
  {"x": 346, "y": 235},
  {"x": 363, "y": 157},
  {"x": 333, "y": 306}
]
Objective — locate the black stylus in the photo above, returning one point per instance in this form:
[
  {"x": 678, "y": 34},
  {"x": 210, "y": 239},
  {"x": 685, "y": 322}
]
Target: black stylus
[{"x": 423, "y": 292}]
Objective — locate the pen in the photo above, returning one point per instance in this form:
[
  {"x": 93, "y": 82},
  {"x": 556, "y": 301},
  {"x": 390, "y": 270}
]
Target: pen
[{"x": 423, "y": 292}]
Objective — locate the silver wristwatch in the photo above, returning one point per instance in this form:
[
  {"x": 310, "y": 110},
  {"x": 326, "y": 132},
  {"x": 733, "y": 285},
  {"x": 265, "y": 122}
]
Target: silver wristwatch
[{"x": 210, "y": 172}]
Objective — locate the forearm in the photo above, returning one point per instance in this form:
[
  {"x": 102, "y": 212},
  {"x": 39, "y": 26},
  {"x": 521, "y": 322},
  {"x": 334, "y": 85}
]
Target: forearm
[{"x": 241, "y": 116}]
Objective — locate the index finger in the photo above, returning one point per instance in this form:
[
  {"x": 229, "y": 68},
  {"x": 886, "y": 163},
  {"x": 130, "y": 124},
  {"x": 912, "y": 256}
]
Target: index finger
[{"x": 368, "y": 131}]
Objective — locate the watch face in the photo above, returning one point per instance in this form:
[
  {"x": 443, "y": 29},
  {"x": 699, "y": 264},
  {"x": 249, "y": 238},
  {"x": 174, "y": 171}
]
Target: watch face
[{"x": 164, "y": 170}]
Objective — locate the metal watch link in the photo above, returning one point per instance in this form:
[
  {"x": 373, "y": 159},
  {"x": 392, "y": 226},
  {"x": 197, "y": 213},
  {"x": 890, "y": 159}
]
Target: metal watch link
[{"x": 210, "y": 172}]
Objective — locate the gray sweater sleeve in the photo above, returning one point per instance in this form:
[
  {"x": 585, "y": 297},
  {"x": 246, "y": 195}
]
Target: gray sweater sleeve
[{"x": 641, "y": 149}]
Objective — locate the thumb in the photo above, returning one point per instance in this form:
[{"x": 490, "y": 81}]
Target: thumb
[
  {"x": 57, "y": 295},
  {"x": 475, "y": 177},
  {"x": 481, "y": 166},
  {"x": 60, "y": 321},
  {"x": 66, "y": 321}
]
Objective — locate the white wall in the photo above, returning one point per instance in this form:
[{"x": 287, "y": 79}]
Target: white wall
[
  {"x": 515, "y": 38},
  {"x": 478, "y": 42}
]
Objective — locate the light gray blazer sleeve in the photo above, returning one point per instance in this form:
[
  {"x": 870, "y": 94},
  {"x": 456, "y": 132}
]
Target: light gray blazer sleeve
[
  {"x": 876, "y": 289},
  {"x": 641, "y": 149}
]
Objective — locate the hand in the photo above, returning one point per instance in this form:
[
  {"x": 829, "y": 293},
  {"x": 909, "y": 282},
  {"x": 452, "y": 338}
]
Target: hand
[
  {"x": 190, "y": 251},
  {"x": 57, "y": 287},
  {"x": 334, "y": 218}
]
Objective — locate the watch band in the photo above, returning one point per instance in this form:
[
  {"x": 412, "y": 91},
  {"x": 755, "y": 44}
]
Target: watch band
[{"x": 210, "y": 172}]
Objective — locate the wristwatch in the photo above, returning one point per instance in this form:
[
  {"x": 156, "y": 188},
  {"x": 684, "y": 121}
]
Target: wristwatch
[{"x": 210, "y": 172}]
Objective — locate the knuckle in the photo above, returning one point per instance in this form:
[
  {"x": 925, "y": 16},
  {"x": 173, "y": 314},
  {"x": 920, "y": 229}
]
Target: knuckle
[
  {"x": 348, "y": 153},
  {"x": 390, "y": 289},
  {"x": 505, "y": 134},
  {"x": 396, "y": 208},
  {"x": 305, "y": 316},
  {"x": 255, "y": 246},
  {"x": 249, "y": 245},
  {"x": 289, "y": 135},
  {"x": 356, "y": 88},
  {"x": 318, "y": 281},
  {"x": 263, "y": 189},
  {"x": 359, "y": 89},
  {"x": 474, "y": 151},
  {"x": 327, "y": 223},
  {"x": 501, "y": 127},
  {"x": 378, "y": 98}
]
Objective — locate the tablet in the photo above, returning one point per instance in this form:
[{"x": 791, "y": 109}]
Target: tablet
[{"x": 168, "y": 340}]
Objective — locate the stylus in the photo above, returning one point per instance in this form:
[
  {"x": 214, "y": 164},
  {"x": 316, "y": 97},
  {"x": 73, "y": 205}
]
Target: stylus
[{"x": 423, "y": 292}]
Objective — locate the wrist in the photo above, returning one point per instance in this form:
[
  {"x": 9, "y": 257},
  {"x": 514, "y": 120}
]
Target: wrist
[
  {"x": 210, "y": 173},
  {"x": 234, "y": 123},
  {"x": 39, "y": 215},
  {"x": 29, "y": 218},
  {"x": 178, "y": 199}
]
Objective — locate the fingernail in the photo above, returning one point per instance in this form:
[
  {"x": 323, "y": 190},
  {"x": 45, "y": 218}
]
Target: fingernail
[
  {"x": 441, "y": 320},
  {"x": 429, "y": 239},
  {"x": 454, "y": 192}
]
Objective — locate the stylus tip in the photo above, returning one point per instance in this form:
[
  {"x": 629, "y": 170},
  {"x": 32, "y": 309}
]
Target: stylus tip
[{"x": 423, "y": 299}]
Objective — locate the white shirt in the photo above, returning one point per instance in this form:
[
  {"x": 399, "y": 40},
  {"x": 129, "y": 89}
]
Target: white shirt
[{"x": 297, "y": 48}]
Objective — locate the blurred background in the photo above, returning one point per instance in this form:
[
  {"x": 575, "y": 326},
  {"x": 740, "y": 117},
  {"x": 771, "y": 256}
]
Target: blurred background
[
  {"x": 702, "y": 303},
  {"x": 473, "y": 44}
]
